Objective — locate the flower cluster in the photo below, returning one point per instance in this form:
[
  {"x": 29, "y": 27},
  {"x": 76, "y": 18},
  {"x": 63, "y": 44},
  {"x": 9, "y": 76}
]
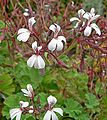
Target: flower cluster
[
  {"x": 24, "y": 106},
  {"x": 50, "y": 114},
  {"x": 36, "y": 60},
  {"x": 89, "y": 18},
  {"x": 26, "y": 109},
  {"x": 85, "y": 20},
  {"x": 57, "y": 43}
]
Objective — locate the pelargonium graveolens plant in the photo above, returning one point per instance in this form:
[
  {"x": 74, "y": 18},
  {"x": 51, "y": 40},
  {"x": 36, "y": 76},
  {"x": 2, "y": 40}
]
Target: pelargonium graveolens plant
[
  {"x": 43, "y": 39},
  {"x": 26, "y": 109}
]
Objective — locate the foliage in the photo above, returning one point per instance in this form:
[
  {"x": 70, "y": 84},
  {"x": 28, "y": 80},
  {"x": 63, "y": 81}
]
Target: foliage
[
  {"x": 6, "y": 85},
  {"x": 92, "y": 3},
  {"x": 91, "y": 101},
  {"x": 75, "y": 110}
]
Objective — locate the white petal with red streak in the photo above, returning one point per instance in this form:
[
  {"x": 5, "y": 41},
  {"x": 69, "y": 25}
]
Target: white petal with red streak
[
  {"x": 87, "y": 31},
  {"x": 96, "y": 28}
]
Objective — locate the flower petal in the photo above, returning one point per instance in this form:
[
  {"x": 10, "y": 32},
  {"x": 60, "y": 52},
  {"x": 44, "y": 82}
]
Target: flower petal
[
  {"x": 18, "y": 116},
  {"x": 87, "y": 31},
  {"x": 36, "y": 62},
  {"x": 54, "y": 117},
  {"x": 81, "y": 13},
  {"x": 77, "y": 24},
  {"x": 24, "y": 104},
  {"x": 58, "y": 110},
  {"x": 96, "y": 28},
  {"x": 31, "y": 60},
  {"x": 51, "y": 100},
  {"x": 52, "y": 27},
  {"x": 27, "y": 95},
  {"x": 24, "y": 91},
  {"x": 29, "y": 87},
  {"x": 14, "y": 112},
  {"x": 61, "y": 38},
  {"x": 31, "y": 111},
  {"x": 83, "y": 23},
  {"x": 47, "y": 115},
  {"x": 59, "y": 46},
  {"x": 95, "y": 17},
  {"x": 41, "y": 63},
  {"x": 55, "y": 27},
  {"x": 23, "y": 36},
  {"x": 26, "y": 9},
  {"x": 87, "y": 15},
  {"x": 31, "y": 21},
  {"x": 39, "y": 48},
  {"x": 92, "y": 11},
  {"x": 26, "y": 14},
  {"x": 22, "y": 30},
  {"x": 52, "y": 44},
  {"x": 74, "y": 19},
  {"x": 34, "y": 45}
]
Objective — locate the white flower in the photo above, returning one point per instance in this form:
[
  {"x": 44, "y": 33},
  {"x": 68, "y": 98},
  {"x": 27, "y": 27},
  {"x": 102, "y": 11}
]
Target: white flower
[
  {"x": 81, "y": 13},
  {"x": 51, "y": 100},
  {"x": 55, "y": 28},
  {"x": 57, "y": 42},
  {"x": 31, "y": 109},
  {"x": 91, "y": 17},
  {"x": 26, "y": 12},
  {"x": 50, "y": 114},
  {"x": 29, "y": 92},
  {"x": 31, "y": 22},
  {"x": 23, "y": 33},
  {"x": 26, "y": 9},
  {"x": 24, "y": 104},
  {"x": 36, "y": 60},
  {"x": 16, "y": 112}
]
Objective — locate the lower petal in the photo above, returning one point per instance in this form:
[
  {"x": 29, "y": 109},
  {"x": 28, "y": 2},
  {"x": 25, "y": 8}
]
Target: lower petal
[
  {"x": 59, "y": 46},
  {"x": 41, "y": 63},
  {"x": 87, "y": 31},
  {"x": 47, "y": 115},
  {"x": 61, "y": 38},
  {"x": 54, "y": 117},
  {"x": 18, "y": 116},
  {"x": 23, "y": 36},
  {"x": 58, "y": 110},
  {"x": 96, "y": 28},
  {"x": 31, "y": 60},
  {"x": 14, "y": 112},
  {"x": 52, "y": 44},
  {"x": 74, "y": 19}
]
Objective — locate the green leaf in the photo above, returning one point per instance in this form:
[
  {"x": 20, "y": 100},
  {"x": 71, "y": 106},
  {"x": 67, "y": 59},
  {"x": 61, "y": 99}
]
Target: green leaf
[
  {"x": 5, "y": 112},
  {"x": 6, "y": 84},
  {"x": 73, "y": 108},
  {"x": 27, "y": 117},
  {"x": 42, "y": 97},
  {"x": 92, "y": 101},
  {"x": 12, "y": 102},
  {"x": 25, "y": 75},
  {"x": 2, "y": 24}
]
